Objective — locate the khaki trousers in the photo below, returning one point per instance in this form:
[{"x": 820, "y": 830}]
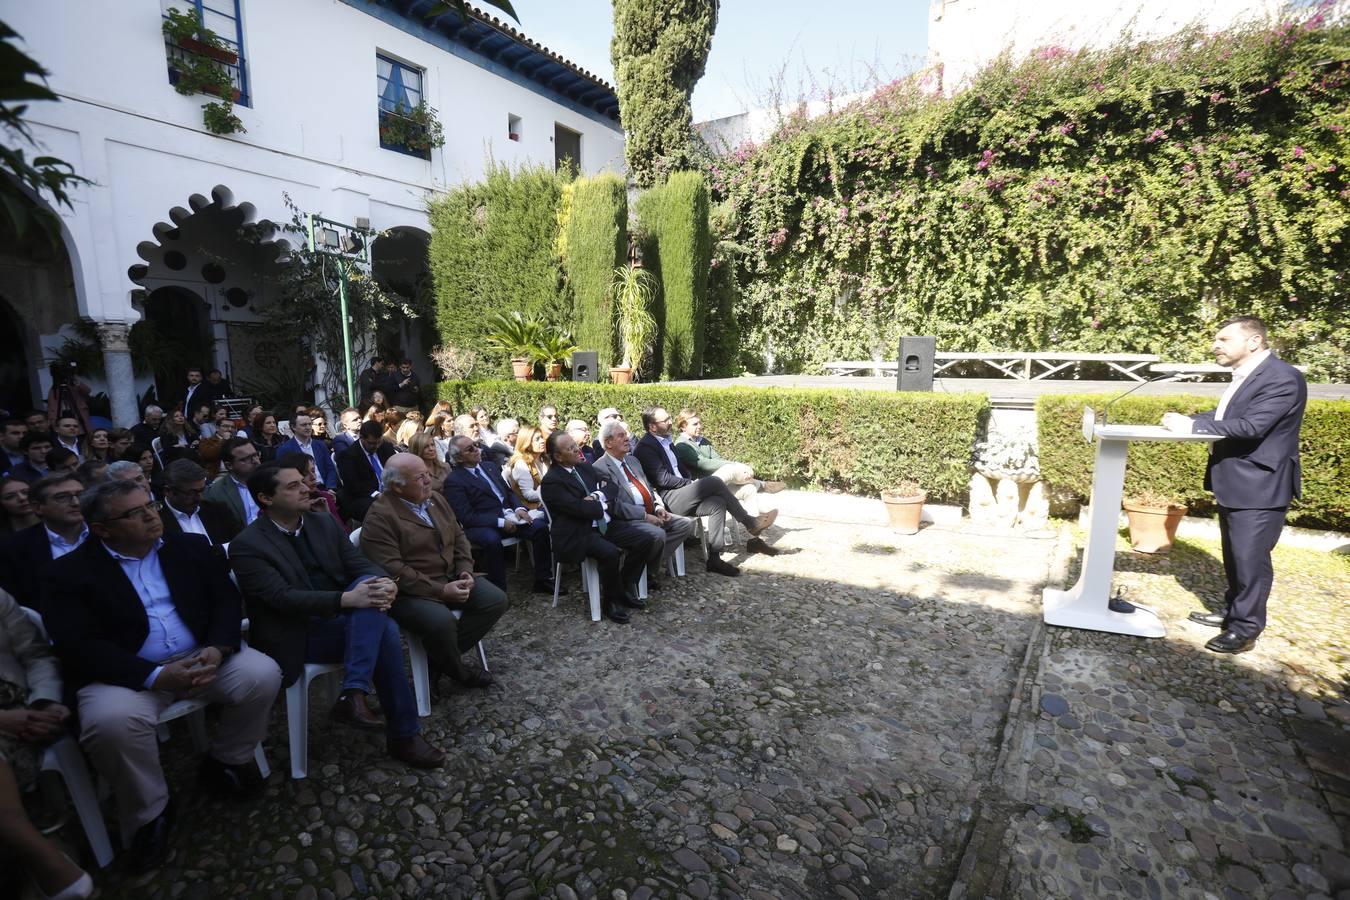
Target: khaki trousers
[
  {"x": 118, "y": 731},
  {"x": 744, "y": 486}
]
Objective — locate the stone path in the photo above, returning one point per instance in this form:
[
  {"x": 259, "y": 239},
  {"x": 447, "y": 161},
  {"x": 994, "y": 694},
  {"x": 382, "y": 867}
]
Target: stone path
[{"x": 821, "y": 726}]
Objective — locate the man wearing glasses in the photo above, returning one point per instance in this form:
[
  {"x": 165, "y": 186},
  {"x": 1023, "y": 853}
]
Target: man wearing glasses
[
  {"x": 139, "y": 621},
  {"x": 185, "y": 513},
  {"x": 240, "y": 459},
  {"x": 25, "y": 557}
]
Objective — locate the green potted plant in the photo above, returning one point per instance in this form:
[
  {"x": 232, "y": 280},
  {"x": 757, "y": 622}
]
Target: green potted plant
[
  {"x": 203, "y": 72},
  {"x": 516, "y": 335},
  {"x": 416, "y": 128},
  {"x": 634, "y": 292},
  {"x": 554, "y": 348},
  {"x": 904, "y": 506},
  {"x": 186, "y": 31},
  {"x": 1153, "y": 517}
]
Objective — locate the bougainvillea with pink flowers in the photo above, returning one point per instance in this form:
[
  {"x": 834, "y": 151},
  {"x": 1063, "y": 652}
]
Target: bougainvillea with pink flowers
[{"x": 1123, "y": 200}]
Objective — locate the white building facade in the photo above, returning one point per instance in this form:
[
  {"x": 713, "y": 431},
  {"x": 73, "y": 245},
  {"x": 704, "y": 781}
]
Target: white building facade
[{"x": 156, "y": 233}]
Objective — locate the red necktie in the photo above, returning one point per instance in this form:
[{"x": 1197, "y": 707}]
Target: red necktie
[{"x": 646, "y": 494}]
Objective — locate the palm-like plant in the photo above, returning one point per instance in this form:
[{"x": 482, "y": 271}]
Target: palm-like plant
[
  {"x": 555, "y": 345},
  {"x": 515, "y": 334},
  {"x": 634, "y": 294}
]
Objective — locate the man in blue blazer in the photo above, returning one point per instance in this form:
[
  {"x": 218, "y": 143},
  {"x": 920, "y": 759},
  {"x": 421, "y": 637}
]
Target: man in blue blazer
[
  {"x": 1253, "y": 472},
  {"x": 485, "y": 507},
  {"x": 304, "y": 441}
]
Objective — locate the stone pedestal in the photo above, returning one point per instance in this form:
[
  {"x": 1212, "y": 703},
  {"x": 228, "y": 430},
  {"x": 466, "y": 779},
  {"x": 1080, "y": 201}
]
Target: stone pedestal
[
  {"x": 1006, "y": 504},
  {"x": 118, "y": 372}
]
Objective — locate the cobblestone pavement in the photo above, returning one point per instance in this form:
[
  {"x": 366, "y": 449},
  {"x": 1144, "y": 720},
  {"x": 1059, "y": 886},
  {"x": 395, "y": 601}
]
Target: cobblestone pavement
[
  {"x": 1155, "y": 768},
  {"x": 822, "y": 726}
]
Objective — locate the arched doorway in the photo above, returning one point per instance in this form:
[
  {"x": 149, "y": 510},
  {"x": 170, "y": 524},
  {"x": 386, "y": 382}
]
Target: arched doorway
[
  {"x": 174, "y": 333},
  {"x": 399, "y": 264},
  {"x": 16, "y": 387}
]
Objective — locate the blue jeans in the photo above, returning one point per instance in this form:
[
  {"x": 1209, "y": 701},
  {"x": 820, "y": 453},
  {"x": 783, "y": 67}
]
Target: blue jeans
[{"x": 367, "y": 642}]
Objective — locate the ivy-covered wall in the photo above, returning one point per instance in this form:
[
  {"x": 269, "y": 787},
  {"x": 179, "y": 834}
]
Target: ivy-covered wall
[
  {"x": 1114, "y": 201},
  {"x": 677, "y": 247},
  {"x": 594, "y": 241},
  {"x": 494, "y": 248}
]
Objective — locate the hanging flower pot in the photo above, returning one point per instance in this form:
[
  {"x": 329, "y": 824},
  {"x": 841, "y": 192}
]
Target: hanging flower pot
[
  {"x": 904, "y": 507},
  {"x": 1153, "y": 523},
  {"x": 202, "y": 48}
]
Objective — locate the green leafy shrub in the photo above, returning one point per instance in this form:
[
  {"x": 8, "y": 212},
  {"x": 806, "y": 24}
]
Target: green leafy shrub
[
  {"x": 1123, "y": 200},
  {"x": 861, "y": 442},
  {"x": 677, "y": 246},
  {"x": 493, "y": 250},
  {"x": 595, "y": 240},
  {"x": 1177, "y": 470}
]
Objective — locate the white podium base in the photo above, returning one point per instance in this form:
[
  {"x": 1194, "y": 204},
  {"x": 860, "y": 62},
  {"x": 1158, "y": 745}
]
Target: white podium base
[{"x": 1072, "y": 610}]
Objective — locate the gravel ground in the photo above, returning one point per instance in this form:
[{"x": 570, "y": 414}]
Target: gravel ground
[{"x": 821, "y": 726}]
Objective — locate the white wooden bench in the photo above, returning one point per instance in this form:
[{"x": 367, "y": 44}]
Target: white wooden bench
[{"x": 1022, "y": 366}]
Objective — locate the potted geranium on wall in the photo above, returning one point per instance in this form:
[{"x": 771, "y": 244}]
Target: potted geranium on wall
[
  {"x": 518, "y": 336},
  {"x": 634, "y": 291},
  {"x": 904, "y": 506},
  {"x": 1153, "y": 518},
  {"x": 203, "y": 70}
]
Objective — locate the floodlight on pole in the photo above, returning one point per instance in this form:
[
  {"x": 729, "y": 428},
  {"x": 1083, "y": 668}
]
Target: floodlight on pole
[{"x": 346, "y": 245}]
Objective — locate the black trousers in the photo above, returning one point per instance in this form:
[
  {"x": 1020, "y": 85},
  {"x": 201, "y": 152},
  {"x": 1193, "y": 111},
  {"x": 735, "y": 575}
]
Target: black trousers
[
  {"x": 712, "y": 498},
  {"x": 642, "y": 544},
  {"x": 488, "y": 541},
  {"x": 1249, "y": 535}
]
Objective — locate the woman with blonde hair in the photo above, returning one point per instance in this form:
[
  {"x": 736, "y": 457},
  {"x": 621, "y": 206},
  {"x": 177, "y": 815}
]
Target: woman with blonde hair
[
  {"x": 424, "y": 445},
  {"x": 526, "y": 468},
  {"x": 405, "y": 432}
]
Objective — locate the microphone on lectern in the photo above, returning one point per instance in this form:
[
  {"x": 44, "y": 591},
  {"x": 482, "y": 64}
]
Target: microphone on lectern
[{"x": 1166, "y": 376}]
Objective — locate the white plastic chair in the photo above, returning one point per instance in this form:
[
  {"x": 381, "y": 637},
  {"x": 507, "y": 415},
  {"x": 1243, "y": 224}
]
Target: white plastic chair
[
  {"x": 590, "y": 576},
  {"x": 65, "y": 758},
  {"x": 297, "y": 711}
]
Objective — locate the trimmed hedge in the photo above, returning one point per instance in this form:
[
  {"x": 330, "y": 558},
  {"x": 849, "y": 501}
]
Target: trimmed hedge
[
  {"x": 1179, "y": 469},
  {"x": 595, "y": 242},
  {"x": 678, "y": 248},
  {"x": 856, "y": 441}
]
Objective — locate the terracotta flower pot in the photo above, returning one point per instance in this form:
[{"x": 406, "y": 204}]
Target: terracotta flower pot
[
  {"x": 220, "y": 54},
  {"x": 1153, "y": 528},
  {"x": 522, "y": 368},
  {"x": 621, "y": 374},
  {"x": 904, "y": 510}
]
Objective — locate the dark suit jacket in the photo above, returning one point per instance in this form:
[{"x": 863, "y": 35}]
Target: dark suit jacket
[
  {"x": 26, "y": 472},
  {"x": 97, "y": 621},
  {"x": 474, "y": 503},
  {"x": 340, "y": 443},
  {"x": 1256, "y": 465},
  {"x": 358, "y": 478},
  {"x": 221, "y": 525},
  {"x": 25, "y": 557},
  {"x": 323, "y": 459},
  {"x": 571, "y": 512},
  {"x": 280, "y": 600},
  {"x": 656, "y": 465}
]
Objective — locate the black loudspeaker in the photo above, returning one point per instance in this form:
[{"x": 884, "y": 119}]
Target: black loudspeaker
[
  {"x": 915, "y": 372},
  {"x": 585, "y": 364}
]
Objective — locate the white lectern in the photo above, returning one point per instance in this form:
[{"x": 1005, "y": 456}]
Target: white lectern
[{"x": 1088, "y": 603}]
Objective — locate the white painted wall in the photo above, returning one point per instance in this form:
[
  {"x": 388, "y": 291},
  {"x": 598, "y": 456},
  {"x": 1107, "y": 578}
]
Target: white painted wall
[
  {"x": 963, "y": 35},
  {"x": 311, "y": 127}
]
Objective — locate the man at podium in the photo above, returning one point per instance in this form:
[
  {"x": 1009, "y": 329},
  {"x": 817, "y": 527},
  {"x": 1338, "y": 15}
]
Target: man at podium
[{"x": 1253, "y": 471}]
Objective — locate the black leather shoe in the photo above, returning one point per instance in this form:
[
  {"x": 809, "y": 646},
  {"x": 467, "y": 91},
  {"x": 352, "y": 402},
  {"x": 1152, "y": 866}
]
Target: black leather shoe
[
  {"x": 653, "y": 583},
  {"x": 477, "y": 679},
  {"x": 722, "y": 567},
  {"x": 1213, "y": 620},
  {"x": 150, "y": 846},
  {"x": 1230, "y": 643},
  {"x": 239, "y": 781},
  {"x": 352, "y": 709},
  {"x": 632, "y": 600},
  {"x": 617, "y": 614}
]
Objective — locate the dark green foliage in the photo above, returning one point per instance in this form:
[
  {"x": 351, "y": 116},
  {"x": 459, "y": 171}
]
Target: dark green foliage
[
  {"x": 1123, "y": 200},
  {"x": 493, "y": 250},
  {"x": 1177, "y": 469},
  {"x": 856, "y": 441},
  {"x": 659, "y": 51},
  {"x": 595, "y": 241},
  {"x": 677, "y": 247}
]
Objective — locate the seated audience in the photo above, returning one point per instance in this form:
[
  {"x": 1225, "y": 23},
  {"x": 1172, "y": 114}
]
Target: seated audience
[
  {"x": 486, "y": 434},
  {"x": 581, "y": 433},
  {"x": 312, "y": 597},
  {"x": 350, "y": 422},
  {"x": 247, "y": 423},
  {"x": 486, "y": 508},
  {"x": 209, "y": 427},
  {"x": 441, "y": 427},
  {"x": 524, "y": 472},
  {"x": 145, "y": 458},
  {"x": 145, "y": 431},
  {"x": 140, "y": 620},
  {"x": 548, "y": 419},
  {"x": 319, "y": 420},
  {"x": 467, "y": 426},
  {"x": 304, "y": 441},
  {"x": 686, "y": 496},
  {"x": 240, "y": 459},
  {"x": 410, "y": 427},
  {"x": 122, "y": 470},
  {"x": 360, "y": 467},
  {"x": 12, "y": 431},
  {"x": 499, "y": 453},
  {"x": 31, "y": 716},
  {"x": 16, "y": 512},
  {"x": 35, "y": 445},
  {"x": 99, "y": 445},
  {"x": 184, "y": 511},
  {"x": 638, "y": 502},
  {"x": 119, "y": 439},
  {"x": 59, "y": 459},
  {"x": 199, "y": 419},
  {"x": 578, "y": 504},
  {"x": 412, "y": 534},
  {"x": 174, "y": 438},
  {"x": 209, "y": 450},
  {"x": 92, "y": 471},
  {"x": 26, "y": 556},
  {"x": 321, "y": 500},
  {"x": 266, "y": 436},
  {"x": 36, "y": 420},
  {"x": 423, "y": 446},
  {"x": 67, "y": 435},
  {"x": 699, "y": 455}
]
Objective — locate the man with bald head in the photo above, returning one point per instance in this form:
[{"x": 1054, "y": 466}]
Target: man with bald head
[{"x": 412, "y": 533}]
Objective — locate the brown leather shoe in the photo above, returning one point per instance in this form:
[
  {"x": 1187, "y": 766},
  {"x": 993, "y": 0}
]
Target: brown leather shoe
[
  {"x": 351, "y": 709},
  {"x": 416, "y": 752},
  {"x": 773, "y": 487},
  {"x": 763, "y": 522}
]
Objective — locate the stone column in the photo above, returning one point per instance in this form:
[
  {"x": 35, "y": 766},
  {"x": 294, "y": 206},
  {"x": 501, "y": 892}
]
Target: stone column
[{"x": 118, "y": 372}]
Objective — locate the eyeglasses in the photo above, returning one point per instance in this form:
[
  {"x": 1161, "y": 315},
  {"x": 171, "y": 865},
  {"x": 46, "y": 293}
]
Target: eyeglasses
[
  {"x": 63, "y": 497},
  {"x": 148, "y": 511},
  {"x": 549, "y": 416},
  {"x": 252, "y": 457}
]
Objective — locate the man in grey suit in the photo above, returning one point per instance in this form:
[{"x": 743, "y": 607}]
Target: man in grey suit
[
  {"x": 639, "y": 506},
  {"x": 229, "y": 492}
]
